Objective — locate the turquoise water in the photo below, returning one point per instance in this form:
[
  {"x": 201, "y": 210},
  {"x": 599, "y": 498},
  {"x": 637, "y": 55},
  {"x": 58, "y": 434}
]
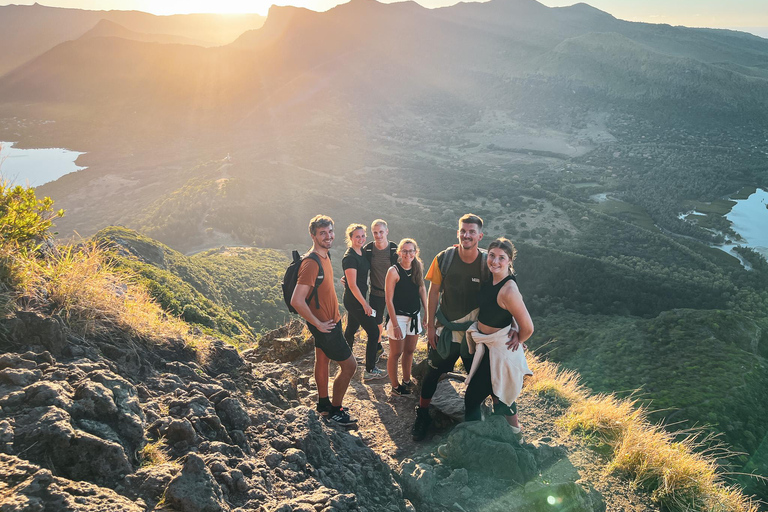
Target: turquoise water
[
  {"x": 749, "y": 218},
  {"x": 34, "y": 167}
]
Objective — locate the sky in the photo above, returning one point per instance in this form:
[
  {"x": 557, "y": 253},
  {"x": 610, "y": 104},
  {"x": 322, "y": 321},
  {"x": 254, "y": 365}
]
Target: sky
[{"x": 743, "y": 14}]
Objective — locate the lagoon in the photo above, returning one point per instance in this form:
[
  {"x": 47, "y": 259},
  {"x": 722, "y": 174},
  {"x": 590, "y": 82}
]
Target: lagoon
[
  {"x": 35, "y": 167},
  {"x": 749, "y": 218}
]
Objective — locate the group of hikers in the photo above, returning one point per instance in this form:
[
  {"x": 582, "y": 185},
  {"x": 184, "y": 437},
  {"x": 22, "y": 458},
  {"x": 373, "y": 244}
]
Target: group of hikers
[{"x": 474, "y": 310}]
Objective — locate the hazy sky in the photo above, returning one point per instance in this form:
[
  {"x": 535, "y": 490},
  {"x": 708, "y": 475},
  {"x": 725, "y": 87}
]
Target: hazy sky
[{"x": 697, "y": 13}]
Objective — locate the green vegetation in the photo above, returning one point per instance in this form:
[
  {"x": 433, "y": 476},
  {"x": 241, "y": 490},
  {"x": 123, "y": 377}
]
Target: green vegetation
[
  {"x": 24, "y": 219},
  {"x": 234, "y": 292},
  {"x": 75, "y": 282}
]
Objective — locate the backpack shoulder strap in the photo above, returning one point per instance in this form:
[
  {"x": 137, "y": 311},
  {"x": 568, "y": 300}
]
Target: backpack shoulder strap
[
  {"x": 319, "y": 279},
  {"x": 485, "y": 272},
  {"x": 368, "y": 251},
  {"x": 444, "y": 260},
  {"x": 393, "y": 253}
]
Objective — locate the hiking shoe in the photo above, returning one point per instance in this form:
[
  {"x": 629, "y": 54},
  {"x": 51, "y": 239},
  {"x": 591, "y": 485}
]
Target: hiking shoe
[
  {"x": 325, "y": 410},
  {"x": 342, "y": 418},
  {"x": 374, "y": 374},
  {"x": 420, "y": 427},
  {"x": 401, "y": 390}
]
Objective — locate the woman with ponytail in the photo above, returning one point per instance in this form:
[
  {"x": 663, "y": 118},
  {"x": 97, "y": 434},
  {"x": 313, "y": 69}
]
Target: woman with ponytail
[
  {"x": 404, "y": 294},
  {"x": 499, "y": 363}
]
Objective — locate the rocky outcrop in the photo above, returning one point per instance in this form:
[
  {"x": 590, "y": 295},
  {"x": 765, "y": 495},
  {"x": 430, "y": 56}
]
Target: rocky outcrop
[
  {"x": 485, "y": 466},
  {"x": 26, "y": 487},
  {"x": 228, "y": 434},
  {"x": 282, "y": 345}
]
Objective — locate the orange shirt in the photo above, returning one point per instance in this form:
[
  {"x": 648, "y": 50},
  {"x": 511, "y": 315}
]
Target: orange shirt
[{"x": 326, "y": 293}]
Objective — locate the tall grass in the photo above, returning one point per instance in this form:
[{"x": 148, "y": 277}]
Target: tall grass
[
  {"x": 78, "y": 283},
  {"x": 679, "y": 475}
]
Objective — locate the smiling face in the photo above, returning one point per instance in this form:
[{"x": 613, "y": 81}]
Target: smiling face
[
  {"x": 407, "y": 254},
  {"x": 380, "y": 233},
  {"x": 469, "y": 235},
  {"x": 498, "y": 261},
  {"x": 357, "y": 239},
  {"x": 324, "y": 236}
]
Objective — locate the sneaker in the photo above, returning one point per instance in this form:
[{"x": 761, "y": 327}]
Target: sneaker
[
  {"x": 401, "y": 390},
  {"x": 342, "y": 418},
  {"x": 420, "y": 427},
  {"x": 379, "y": 352},
  {"x": 410, "y": 385},
  {"x": 325, "y": 410},
  {"x": 374, "y": 374}
]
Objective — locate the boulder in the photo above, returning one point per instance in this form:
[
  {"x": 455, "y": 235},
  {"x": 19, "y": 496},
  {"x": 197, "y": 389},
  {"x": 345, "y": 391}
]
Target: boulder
[
  {"x": 449, "y": 400},
  {"x": 33, "y": 330},
  {"x": 490, "y": 447},
  {"x": 36, "y": 489},
  {"x": 222, "y": 358},
  {"x": 193, "y": 489}
]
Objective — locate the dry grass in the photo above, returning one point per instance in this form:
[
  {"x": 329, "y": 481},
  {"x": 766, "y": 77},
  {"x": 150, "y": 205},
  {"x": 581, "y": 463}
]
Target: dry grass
[
  {"x": 552, "y": 381},
  {"x": 680, "y": 475},
  {"x": 153, "y": 454},
  {"x": 93, "y": 297}
]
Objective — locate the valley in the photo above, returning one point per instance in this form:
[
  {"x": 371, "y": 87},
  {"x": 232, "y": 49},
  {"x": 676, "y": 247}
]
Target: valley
[{"x": 519, "y": 113}]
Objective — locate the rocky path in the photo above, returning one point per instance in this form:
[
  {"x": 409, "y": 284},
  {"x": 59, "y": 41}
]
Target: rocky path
[
  {"x": 385, "y": 421},
  {"x": 115, "y": 424}
]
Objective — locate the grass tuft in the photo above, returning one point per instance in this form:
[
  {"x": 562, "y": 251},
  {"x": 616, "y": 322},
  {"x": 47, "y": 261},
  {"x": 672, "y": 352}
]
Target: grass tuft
[
  {"x": 153, "y": 454},
  {"x": 551, "y": 381},
  {"x": 81, "y": 286},
  {"x": 679, "y": 475}
]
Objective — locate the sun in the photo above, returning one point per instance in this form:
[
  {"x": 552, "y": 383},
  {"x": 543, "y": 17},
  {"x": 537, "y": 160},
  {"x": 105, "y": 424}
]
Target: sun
[{"x": 166, "y": 7}]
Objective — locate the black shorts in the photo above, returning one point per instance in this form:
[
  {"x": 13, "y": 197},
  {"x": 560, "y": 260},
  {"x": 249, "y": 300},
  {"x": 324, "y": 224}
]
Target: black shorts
[
  {"x": 380, "y": 305},
  {"x": 333, "y": 344}
]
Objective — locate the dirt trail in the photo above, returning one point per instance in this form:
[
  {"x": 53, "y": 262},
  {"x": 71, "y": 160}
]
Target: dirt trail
[{"x": 385, "y": 422}]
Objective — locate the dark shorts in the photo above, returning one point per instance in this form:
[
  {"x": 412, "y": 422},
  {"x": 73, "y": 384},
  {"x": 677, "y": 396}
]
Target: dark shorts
[
  {"x": 380, "y": 305},
  {"x": 333, "y": 344}
]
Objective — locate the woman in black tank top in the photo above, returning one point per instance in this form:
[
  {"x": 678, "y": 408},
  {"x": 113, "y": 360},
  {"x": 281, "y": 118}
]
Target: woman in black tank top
[
  {"x": 404, "y": 294},
  {"x": 501, "y": 305}
]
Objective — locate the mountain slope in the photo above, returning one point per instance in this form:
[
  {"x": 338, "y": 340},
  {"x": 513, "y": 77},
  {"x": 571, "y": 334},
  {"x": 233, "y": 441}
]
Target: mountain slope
[
  {"x": 27, "y": 31},
  {"x": 106, "y": 28},
  {"x": 235, "y": 292}
]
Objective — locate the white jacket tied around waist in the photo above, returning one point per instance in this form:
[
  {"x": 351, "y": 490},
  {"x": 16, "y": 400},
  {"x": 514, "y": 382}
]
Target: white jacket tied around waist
[{"x": 508, "y": 367}]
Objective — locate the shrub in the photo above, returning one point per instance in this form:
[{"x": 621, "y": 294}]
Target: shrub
[{"x": 24, "y": 219}]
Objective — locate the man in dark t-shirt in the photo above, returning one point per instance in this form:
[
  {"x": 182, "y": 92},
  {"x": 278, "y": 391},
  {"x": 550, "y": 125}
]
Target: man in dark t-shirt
[
  {"x": 455, "y": 293},
  {"x": 324, "y": 323}
]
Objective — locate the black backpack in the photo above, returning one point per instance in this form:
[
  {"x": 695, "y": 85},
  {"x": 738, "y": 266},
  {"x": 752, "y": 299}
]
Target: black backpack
[{"x": 292, "y": 275}]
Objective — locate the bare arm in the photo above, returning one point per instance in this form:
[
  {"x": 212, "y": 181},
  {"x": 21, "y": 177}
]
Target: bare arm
[
  {"x": 299, "y": 303},
  {"x": 389, "y": 292},
  {"x": 432, "y": 300},
  {"x": 351, "y": 275},
  {"x": 511, "y": 300}
]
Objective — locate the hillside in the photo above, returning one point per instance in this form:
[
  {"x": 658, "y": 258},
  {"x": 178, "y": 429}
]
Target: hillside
[
  {"x": 230, "y": 291},
  {"x": 106, "y": 28},
  {"x": 110, "y": 403},
  {"x": 27, "y": 31}
]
